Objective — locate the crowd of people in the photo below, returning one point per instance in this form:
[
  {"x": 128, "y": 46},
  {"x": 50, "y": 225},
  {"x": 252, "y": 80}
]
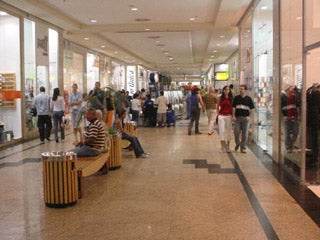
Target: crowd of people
[{"x": 223, "y": 109}]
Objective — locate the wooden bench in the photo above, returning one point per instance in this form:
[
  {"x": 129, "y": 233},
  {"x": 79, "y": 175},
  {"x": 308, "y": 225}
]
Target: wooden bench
[{"x": 87, "y": 166}]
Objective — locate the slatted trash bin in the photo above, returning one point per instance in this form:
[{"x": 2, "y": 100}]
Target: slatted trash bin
[
  {"x": 115, "y": 152},
  {"x": 60, "y": 180},
  {"x": 132, "y": 129}
]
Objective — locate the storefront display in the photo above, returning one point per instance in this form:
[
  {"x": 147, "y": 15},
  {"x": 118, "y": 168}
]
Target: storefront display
[
  {"x": 92, "y": 70},
  {"x": 262, "y": 91},
  {"x": 10, "y": 92}
]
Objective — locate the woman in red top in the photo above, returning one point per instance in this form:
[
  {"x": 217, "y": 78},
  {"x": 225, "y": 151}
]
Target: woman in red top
[{"x": 224, "y": 109}]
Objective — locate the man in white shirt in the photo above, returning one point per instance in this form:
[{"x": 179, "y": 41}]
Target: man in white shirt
[
  {"x": 42, "y": 104},
  {"x": 162, "y": 103}
]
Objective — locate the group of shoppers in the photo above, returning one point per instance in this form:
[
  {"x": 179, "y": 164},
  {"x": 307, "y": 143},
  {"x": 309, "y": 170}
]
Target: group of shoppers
[
  {"x": 54, "y": 106},
  {"x": 225, "y": 110}
]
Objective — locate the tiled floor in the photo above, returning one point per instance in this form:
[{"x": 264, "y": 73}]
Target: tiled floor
[{"x": 186, "y": 189}]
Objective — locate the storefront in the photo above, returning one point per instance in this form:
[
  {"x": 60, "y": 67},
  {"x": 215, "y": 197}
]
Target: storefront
[
  {"x": 118, "y": 75},
  {"x": 93, "y": 64},
  {"x": 28, "y": 59},
  {"x": 10, "y": 78},
  {"x": 262, "y": 58},
  {"x": 300, "y": 41}
]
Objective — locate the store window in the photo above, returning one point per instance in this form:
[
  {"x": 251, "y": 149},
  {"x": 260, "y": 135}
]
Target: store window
[
  {"x": 312, "y": 21},
  {"x": 263, "y": 74},
  {"x": 53, "y": 58},
  {"x": 30, "y": 76},
  {"x": 104, "y": 71},
  {"x": 10, "y": 78},
  {"x": 92, "y": 70},
  {"x": 118, "y": 76},
  {"x": 246, "y": 52},
  {"x": 73, "y": 70},
  {"x": 291, "y": 84},
  {"x": 312, "y": 86}
]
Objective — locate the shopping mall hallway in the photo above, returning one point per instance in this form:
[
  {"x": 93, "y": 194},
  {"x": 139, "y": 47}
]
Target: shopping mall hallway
[{"x": 186, "y": 189}]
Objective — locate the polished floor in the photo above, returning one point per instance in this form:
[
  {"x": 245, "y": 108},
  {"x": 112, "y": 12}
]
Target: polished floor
[{"x": 186, "y": 189}]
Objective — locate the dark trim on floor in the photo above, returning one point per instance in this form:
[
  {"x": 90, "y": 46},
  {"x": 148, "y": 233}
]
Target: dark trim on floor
[
  {"x": 262, "y": 217},
  {"x": 307, "y": 200}
]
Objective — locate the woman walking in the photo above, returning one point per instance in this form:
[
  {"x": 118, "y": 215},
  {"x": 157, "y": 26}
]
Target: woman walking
[
  {"x": 58, "y": 107},
  {"x": 224, "y": 109}
]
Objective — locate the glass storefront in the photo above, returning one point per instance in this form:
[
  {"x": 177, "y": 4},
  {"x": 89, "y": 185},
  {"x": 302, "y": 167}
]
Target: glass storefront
[
  {"x": 10, "y": 78},
  {"x": 53, "y": 58},
  {"x": 30, "y": 76},
  {"x": 312, "y": 21},
  {"x": 245, "y": 44},
  {"x": 291, "y": 85},
  {"x": 262, "y": 33},
  {"x": 92, "y": 70},
  {"x": 118, "y": 76},
  {"x": 105, "y": 71},
  {"x": 311, "y": 173}
]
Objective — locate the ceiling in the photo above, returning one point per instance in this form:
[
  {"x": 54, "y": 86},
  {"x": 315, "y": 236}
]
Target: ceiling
[{"x": 176, "y": 37}]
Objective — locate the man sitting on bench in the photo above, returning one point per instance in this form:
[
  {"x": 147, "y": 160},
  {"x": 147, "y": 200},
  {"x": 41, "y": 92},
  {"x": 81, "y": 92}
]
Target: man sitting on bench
[{"x": 94, "y": 137}]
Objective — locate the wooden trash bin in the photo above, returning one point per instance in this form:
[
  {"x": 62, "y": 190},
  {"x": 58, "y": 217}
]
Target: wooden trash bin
[
  {"x": 60, "y": 179},
  {"x": 115, "y": 152},
  {"x": 132, "y": 129}
]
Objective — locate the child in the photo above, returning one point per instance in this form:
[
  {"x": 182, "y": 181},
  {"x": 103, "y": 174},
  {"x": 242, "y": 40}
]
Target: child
[{"x": 171, "y": 118}]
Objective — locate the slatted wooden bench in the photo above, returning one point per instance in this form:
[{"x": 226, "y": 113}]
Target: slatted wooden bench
[{"x": 87, "y": 166}]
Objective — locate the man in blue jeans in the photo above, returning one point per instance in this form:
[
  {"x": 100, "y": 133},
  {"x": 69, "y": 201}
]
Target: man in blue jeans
[
  {"x": 94, "y": 137},
  {"x": 242, "y": 110}
]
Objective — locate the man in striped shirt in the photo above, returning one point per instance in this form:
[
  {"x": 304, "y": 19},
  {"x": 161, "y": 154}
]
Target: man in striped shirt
[
  {"x": 242, "y": 110},
  {"x": 94, "y": 138}
]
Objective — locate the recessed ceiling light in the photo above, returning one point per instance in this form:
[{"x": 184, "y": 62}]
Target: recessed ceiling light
[
  {"x": 221, "y": 36},
  {"x": 115, "y": 52},
  {"x": 193, "y": 18},
  {"x": 3, "y": 13},
  {"x": 86, "y": 38},
  {"x": 103, "y": 46},
  {"x": 147, "y": 29},
  {"x": 298, "y": 18},
  {"x": 264, "y": 8},
  {"x": 214, "y": 51},
  {"x": 134, "y": 9},
  {"x": 93, "y": 20}
]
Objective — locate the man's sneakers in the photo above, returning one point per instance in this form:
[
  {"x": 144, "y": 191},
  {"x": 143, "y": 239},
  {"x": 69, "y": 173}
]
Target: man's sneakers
[
  {"x": 143, "y": 155},
  {"x": 243, "y": 150}
]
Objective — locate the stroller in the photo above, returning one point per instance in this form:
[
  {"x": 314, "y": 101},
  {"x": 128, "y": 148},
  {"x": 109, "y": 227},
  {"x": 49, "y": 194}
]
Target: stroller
[{"x": 171, "y": 116}]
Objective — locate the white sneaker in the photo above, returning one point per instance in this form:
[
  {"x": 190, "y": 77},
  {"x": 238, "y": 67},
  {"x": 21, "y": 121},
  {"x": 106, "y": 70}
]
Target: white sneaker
[{"x": 143, "y": 155}]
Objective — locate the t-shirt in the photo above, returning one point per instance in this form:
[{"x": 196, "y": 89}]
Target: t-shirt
[
  {"x": 210, "y": 100},
  {"x": 162, "y": 102},
  {"x": 96, "y": 130},
  {"x": 75, "y": 97},
  {"x": 225, "y": 106},
  {"x": 242, "y": 105}
]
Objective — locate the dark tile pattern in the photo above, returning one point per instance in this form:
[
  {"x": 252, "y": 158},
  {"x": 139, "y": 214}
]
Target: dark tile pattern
[
  {"x": 19, "y": 163},
  {"x": 215, "y": 168},
  {"x": 212, "y": 168}
]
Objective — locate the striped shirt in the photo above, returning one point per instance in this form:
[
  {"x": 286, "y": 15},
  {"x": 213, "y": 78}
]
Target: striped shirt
[
  {"x": 96, "y": 130},
  {"x": 242, "y": 105}
]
